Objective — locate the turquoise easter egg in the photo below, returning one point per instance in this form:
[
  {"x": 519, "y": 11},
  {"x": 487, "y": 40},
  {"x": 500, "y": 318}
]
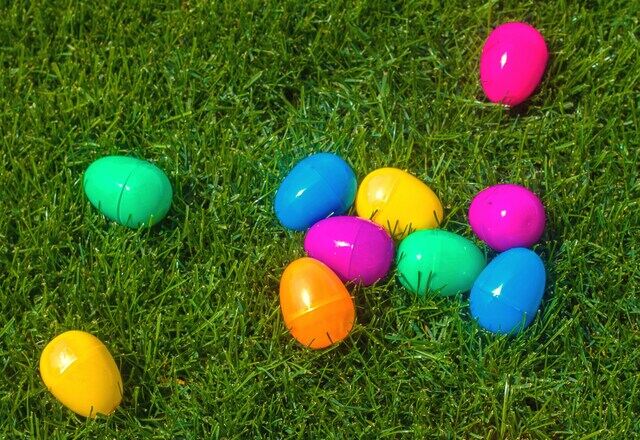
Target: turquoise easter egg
[{"x": 129, "y": 191}]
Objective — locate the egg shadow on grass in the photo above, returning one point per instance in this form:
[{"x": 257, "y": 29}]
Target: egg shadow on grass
[
  {"x": 388, "y": 309},
  {"x": 372, "y": 304},
  {"x": 185, "y": 196},
  {"x": 519, "y": 110},
  {"x": 548, "y": 249},
  {"x": 186, "y": 199}
]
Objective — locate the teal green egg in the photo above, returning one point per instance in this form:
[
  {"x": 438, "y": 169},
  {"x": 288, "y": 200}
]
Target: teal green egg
[
  {"x": 439, "y": 261},
  {"x": 127, "y": 190}
]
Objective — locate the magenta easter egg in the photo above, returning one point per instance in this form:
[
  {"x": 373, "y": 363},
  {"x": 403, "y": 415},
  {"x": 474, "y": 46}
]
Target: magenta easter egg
[
  {"x": 356, "y": 249},
  {"x": 512, "y": 63},
  {"x": 506, "y": 216}
]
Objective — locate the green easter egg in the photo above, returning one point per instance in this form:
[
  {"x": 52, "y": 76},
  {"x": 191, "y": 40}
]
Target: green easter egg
[
  {"x": 130, "y": 191},
  {"x": 439, "y": 261}
]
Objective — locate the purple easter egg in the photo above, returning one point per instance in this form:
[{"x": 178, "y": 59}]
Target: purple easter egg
[
  {"x": 356, "y": 249},
  {"x": 506, "y": 216}
]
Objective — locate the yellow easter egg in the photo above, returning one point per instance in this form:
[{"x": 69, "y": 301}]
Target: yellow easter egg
[
  {"x": 80, "y": 372},
  {"x": 398, "y": 201}
]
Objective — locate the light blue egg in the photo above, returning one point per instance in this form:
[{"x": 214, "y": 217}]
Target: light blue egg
[
  {"x": 319, "y": 186},
  {"x": 507, "y": 294}
]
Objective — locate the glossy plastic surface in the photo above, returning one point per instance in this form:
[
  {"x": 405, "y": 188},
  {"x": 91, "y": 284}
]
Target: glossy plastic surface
[
  {"x": 80, "y": 372},
  {"x": 439, "y": 261},
  {"x": 356, "y": 249},
  {"x": 512, "y": 63},
  {"x": 507, "y": 294},
  {"x": 398, "y": 201},
  {"x": 129, "y": 191},
  {"x": 317, "y": 187},
  {"x": 506, "y": 216},
  {"x": 316, "y": 306}
]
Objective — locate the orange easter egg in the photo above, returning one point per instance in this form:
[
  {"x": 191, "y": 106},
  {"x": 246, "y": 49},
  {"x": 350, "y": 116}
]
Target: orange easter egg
[{"x": 315, "y": 304}]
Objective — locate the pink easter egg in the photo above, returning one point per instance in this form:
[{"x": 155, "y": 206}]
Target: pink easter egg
[
  {"x": 512, "y": 63},
  {"x": 506, "y": 216},
  {"x": 356, "y": 249}
]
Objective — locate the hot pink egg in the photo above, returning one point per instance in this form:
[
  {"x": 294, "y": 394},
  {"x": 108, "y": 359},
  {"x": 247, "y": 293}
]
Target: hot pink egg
[
  {"x": 506, "y": 216},
  {"x": 512, "y": 63},
  {"x": 354, "y": 248}
]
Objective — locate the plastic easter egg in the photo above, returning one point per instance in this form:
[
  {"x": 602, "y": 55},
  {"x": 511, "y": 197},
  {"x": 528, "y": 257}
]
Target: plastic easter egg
[
  {"x": 512, "y": 63},
  {"x": 398, "y": 201},
  {"x": 317, "y": 187},
  {"x": 316, "y": 307},
  {"x": 506, "y": 216},
  {"x": 129, "y": 191},
  {"x": 79, "y": 371},
  {"x": 507, "y": 294},
  {"x": 439, "y": 261},
  {"x": 356, "y": 249}
]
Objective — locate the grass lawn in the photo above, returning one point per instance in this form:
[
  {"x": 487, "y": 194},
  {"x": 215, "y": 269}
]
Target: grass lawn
[{"x": 226, "y": 96}]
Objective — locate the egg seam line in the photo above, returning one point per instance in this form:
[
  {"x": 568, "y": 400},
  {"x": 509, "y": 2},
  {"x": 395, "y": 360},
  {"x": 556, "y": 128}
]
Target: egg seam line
[
  {"x": 122, "y": 190},
  {"x": 331, "y": 188},
  {"x": 355, "y": 240},
  {"x": 313, "y": 309}
]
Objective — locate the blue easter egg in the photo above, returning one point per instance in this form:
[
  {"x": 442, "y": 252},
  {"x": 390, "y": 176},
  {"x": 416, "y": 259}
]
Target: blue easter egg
[
  {"x": 507, "y": 294},
  {"x": 319, "y": 186}
]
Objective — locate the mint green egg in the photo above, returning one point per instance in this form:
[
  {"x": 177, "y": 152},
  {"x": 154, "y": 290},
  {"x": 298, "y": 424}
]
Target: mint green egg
[
  {"x": 129, "y": 191},
  {"x": 438, "y": 261}
]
